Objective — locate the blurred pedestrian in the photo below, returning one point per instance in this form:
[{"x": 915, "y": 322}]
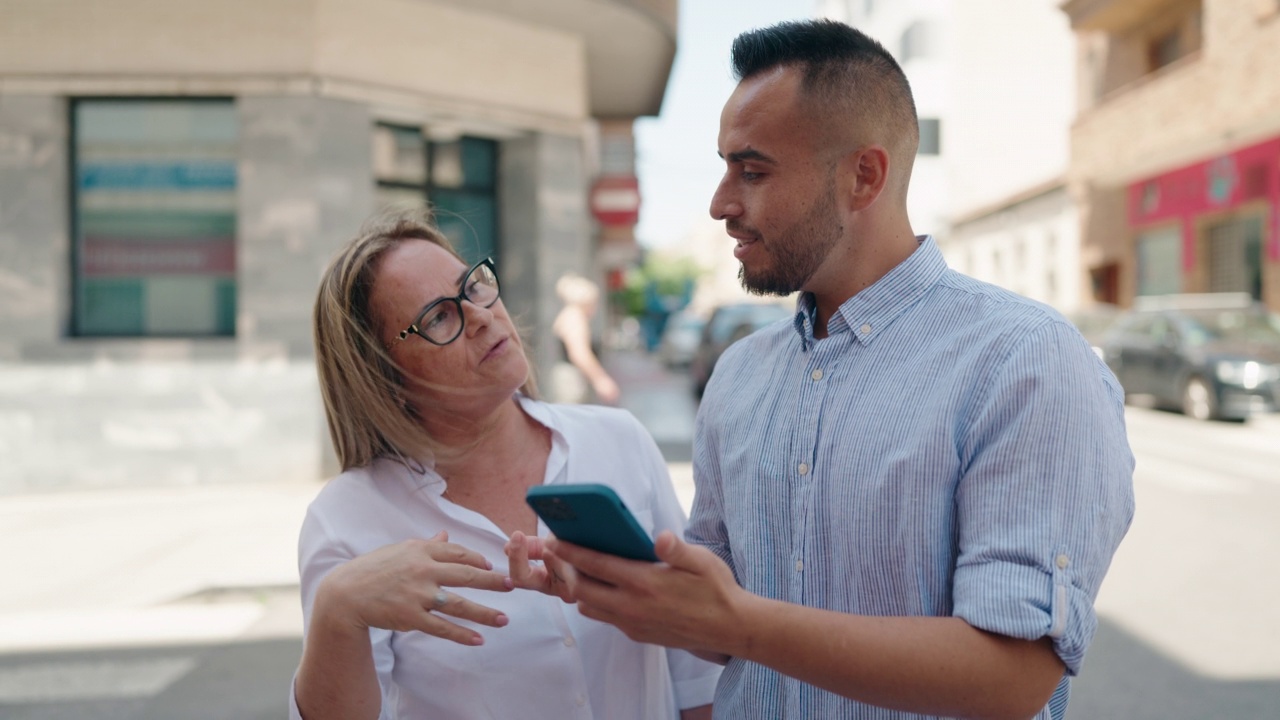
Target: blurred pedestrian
[
  {"x": 409, "y": 558},
  {"x": 909, "y": 493},
  {"x": 578, "y": 376}
]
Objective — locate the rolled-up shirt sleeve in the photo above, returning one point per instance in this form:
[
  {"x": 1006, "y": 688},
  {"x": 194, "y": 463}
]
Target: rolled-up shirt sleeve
[{"x": 1045, "y": 493}]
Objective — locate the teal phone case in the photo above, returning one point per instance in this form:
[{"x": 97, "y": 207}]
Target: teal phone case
[{"x": 593, "y": 516}]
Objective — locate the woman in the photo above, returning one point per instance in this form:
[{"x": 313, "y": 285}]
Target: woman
[
  {"x": 579, "y": 376},
  {"x": 409, "y": 601}
]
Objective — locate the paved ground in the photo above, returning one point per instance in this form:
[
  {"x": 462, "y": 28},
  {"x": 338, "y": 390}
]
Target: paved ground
[
  {"x": 175, "y": 603},
  {"x": 182, "y": 602}
]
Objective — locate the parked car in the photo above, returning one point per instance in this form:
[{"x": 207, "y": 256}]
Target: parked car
[
  {"x": 680, "y": 339},
  {"x": 1094, "y": 323},
  {"x": 1213, "y": 356},
  {"x": 728, "y": 324}
]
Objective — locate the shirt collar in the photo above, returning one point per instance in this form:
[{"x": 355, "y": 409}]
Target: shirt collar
[{"x": 873, "y": 309}]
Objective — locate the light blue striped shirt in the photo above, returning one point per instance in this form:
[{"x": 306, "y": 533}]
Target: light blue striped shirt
[{"x": 949, "y": 449}]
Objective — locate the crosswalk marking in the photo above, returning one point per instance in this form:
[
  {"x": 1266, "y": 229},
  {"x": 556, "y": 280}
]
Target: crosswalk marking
[
  {"x": 97, "y": 680},
  {"x": 126, "y": 627}
]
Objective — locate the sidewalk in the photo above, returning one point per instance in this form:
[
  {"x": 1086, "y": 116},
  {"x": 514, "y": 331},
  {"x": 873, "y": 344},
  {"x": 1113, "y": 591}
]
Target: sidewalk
[
  {"x": 664, "y": 403},
  {"x": 134, "y": 567},
  {"x": 148, "y": 566}
]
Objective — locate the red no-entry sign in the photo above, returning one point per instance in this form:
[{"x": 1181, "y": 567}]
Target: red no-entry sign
[{"x": 615, "y": 200}]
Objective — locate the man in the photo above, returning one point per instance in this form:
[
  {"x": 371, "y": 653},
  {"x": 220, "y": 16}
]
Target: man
[{"x": 907, "y": 498}]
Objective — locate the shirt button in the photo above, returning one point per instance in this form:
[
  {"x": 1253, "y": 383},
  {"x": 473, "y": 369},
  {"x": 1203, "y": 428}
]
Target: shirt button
[
  {"x": 581, "y": 700},
  {"x": 568, "y": 641},
  {"x": 804, "y": 468},
  {"x": 816, "y": 374},
  {"x": 866, "y": 329},
  {"x": 1063, "y": 561},
  {"x": 799, "y": 566}
]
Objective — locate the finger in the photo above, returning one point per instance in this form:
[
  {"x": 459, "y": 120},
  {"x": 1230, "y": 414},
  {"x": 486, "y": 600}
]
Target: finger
[
  {"x": 537, "y": 550},
  {"x": 450, "y": 553},
  {"x": 517, "y": 558},
  {"x": 676, "y": 553},
  {"x": 531, "y": 546},
  {"x": 433, "y": 624},
  {"x": 690, "y": 558},
  {"x": 581, "y": 587},
  {"x": 561, "y": 577},
  {"x": 464, "y": 609},
  {"x": 598, "y": 613},
  {"x": 608, "y": 568},
  {"x": 451, "y": 575}
]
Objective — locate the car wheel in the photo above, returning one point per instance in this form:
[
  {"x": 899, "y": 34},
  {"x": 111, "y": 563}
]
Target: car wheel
[{"x": 1198, "y": 400}]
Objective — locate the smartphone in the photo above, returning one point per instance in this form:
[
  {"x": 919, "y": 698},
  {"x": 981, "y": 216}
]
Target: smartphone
[{"x": 593, "y": 516}]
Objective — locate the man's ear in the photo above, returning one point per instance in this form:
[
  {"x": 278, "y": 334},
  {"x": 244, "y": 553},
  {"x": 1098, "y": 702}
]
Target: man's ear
[{"x": 865, "y": 172}]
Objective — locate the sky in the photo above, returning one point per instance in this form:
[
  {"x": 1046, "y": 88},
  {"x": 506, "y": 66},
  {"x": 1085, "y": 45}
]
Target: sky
[{"x": 676, "y": 151}]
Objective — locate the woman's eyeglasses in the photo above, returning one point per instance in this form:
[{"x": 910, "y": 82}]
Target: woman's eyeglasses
[{"x": 441, "y": 322}]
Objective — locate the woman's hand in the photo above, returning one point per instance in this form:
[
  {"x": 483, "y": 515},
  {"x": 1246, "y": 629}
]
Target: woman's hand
[
  {"x": 401, "y": 587},
  {"x": 551, "y": 575}
]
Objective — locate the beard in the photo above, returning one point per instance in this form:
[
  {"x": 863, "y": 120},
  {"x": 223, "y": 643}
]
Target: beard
[{"x": 797, "y": 253}]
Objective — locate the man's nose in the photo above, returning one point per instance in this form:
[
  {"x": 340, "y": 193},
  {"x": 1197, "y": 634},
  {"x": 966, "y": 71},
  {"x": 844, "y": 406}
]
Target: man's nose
[{"x": 723, "y": 204}]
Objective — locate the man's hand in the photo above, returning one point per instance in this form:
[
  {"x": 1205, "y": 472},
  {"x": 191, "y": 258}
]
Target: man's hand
[{"x": 688, "y": 600}]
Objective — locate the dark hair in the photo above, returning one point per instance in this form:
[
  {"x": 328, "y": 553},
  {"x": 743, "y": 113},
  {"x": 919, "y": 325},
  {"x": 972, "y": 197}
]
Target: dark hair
[{"x": 841, "y": 66}]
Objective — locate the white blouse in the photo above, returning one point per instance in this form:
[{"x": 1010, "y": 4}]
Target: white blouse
[{"x": 549, "y": 661}]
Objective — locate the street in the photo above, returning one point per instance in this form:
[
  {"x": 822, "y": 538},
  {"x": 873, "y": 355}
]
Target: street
[{"x": 1188, "y": 614}]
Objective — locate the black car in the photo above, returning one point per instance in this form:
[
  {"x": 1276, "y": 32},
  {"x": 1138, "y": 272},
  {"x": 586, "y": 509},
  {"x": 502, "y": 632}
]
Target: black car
[
  {"x": 728, "y": 324},
  {"x": 1213, "y": 357}
]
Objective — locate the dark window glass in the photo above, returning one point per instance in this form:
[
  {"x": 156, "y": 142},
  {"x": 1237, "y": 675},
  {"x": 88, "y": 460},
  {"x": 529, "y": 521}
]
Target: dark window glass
[
  {"x": 469, "y": 219},
  {"x": 463, "y": 189},
  {"x": 457, "y": 177}
]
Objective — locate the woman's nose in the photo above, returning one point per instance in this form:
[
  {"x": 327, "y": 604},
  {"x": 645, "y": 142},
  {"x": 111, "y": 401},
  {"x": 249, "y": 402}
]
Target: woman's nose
[{"x": 476, "y": 316}]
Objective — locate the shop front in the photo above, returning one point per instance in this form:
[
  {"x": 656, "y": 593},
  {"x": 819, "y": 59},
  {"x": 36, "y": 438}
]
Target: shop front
[{"x": 1213, "y": 226}]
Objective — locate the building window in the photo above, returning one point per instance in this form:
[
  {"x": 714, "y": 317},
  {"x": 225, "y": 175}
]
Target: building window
[
  {"x": 930, "y": 136},
  {"x": 1166, "y": 49},
  {"x": 463, "y": 189},
  {"x": 1160, "y": 261},
  {"x": 153, "y": 217},
  {"x": 1178, "y": 39},
  {"x": 917, "y": 42},
  {"x": 1235, "y": 257},
  {"x": 457, "y": 177},
  {"x": 399, "y": 165}
]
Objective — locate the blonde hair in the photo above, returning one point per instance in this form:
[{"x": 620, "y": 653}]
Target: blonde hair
[
  {"x": 577, "y": 290},
  {"x": 363, "y": 388}
]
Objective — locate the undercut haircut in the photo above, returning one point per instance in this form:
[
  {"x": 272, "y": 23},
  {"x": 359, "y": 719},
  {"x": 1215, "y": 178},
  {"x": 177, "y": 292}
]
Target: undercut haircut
[{"x": 841, "y": 68}]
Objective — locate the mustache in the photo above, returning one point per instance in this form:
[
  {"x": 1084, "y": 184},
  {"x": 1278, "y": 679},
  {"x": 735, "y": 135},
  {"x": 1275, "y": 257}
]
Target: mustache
[{"x": 740, "y": 229}]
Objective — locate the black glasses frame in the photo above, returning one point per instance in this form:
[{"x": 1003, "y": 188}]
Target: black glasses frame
[{"x": 414, "y": 328}]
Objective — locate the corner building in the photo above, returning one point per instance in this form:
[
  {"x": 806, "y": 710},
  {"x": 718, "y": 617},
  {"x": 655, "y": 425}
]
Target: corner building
[
  {"x": 1175, "y": 157},
  {"x": 175, "y": 175}
]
